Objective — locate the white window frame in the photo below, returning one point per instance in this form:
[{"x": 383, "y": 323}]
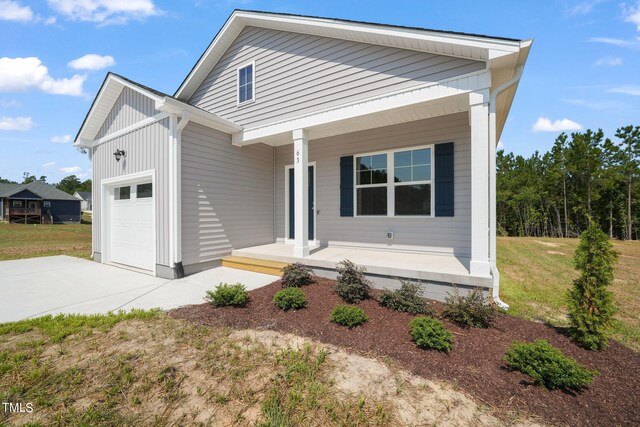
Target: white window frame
[
  {"x": 46, "y": 204},
  {"x": 16, "y": 204},
  {"x": 252, "y": 64},
  {"x": 391, "y": 184}
]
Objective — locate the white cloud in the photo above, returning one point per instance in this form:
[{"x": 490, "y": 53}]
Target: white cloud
[
  {"x": 601, "y": 104},
  {"x": 105, "y": 11},
  {"x": 583, "y": 7},
  {"x": 633, "y": 15},
  {"x": 5, "y": 103},
  {"x": 92, "y": 62},
  {"x": 52, "y": 20},
  {"x": 609, "y": 61},
  {"x": 71, "y": 169},
  {"x": 500, "y": 145},
  {"x": 49, "y": 165},
  {"x": 62, "y": 139},
  {"x": 15, "y": 123},
  {"x": 23, "y": 74},
  {"x": 543, "y": 124},
  {"x": 627, "y": 90},
  {"x": 611, "y": 41},
  {"x": 13, "y": 11}
]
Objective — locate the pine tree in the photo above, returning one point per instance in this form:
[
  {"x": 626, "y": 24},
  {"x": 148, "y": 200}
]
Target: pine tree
[{"x": 590, "y": 303}]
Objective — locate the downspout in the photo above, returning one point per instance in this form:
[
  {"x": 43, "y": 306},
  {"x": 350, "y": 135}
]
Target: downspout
[
  {"x": 177, "y": 191},
  {"x": 492, "y": 186}
]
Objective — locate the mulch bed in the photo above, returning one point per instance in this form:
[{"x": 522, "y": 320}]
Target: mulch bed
[{"x": 475, "y": 364}]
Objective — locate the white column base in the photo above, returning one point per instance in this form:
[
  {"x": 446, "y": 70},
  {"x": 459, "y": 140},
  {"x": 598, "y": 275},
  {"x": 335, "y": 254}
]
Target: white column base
[
  {"x": 480, "y": 268},
  {"x": 301, "y": 251}
]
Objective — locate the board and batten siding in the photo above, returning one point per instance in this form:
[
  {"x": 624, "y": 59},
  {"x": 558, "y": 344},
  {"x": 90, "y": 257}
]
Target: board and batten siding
[
  {"x": 130, "y": 108},
  {"x": 147, "y": 148},
  {"x": 300, "y": 73},
  {"x": 451, "y": 235},
  {"x": 227, "y": 195}
]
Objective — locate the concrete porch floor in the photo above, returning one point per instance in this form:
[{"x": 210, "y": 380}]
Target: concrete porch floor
[{"x": 421, "y": 266}]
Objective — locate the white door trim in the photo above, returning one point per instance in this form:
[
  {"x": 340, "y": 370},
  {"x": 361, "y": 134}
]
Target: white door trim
[
  {"x": 107, "y": 186},
  {"x": 287, "y": 239}
]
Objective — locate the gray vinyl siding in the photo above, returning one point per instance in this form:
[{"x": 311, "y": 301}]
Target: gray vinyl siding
[
  {"x": 227, "y": 195},
  {"x": 445, "y": 235},
  {"x": 130, "y": 108},
  {"x": 147, "y": 148},
  {"x": 299, "y": 73}
]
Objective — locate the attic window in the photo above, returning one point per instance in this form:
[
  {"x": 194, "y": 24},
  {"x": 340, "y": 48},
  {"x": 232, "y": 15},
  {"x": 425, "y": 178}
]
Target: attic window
[{"x": 246, "y": 80}]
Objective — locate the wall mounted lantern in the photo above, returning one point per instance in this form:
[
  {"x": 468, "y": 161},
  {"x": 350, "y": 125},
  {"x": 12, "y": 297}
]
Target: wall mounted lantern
[{"x": 119, "y": 153}]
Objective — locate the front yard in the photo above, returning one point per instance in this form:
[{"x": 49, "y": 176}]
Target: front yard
[{"x": 29, "y": 240}]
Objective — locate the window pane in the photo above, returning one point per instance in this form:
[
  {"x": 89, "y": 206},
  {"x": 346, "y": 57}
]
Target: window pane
[
  {"x": 422, "y": 157},
  {"x": 403, "y": 174},
  {"x": 249, "y": 91},
  {"x": 402, "y": 158},
  {"x": 249, "y": 75},
  {"x": 123, "y": 193},
  {"x": 364, "y": 163},
  {"x": 421, "y": 173},
  {"x": 364, "y": 177},
  {"x": 413, "y": 199},
  {"x": 379, "y": 161},
  {"x": 379, "y": 176},
  {"x": 144, "y": 191},
  {"x": 372, "y": 201},
  {"x": 242, "y": 77}
]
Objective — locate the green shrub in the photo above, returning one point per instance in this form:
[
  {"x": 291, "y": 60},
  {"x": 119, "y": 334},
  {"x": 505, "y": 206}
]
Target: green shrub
[
  {"x": 348, "y": 315},
  {"x": 590, "y": 304},
  {"x": 547, "y": 365},
  {"x": 351, "y": 284},
  {"x": 290, "y": 298},
  {"x": 473, "y": 310},
  {"x": 296, "y": 275},
  {"x": 406, "y": 299},
  {"x": 225, "y": 294},
  {"x": 429, "y": 333}
]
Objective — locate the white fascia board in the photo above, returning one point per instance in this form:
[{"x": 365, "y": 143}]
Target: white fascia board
[
  {"x": 173, "y": 106},
  {"x": 471, "y": 82}
]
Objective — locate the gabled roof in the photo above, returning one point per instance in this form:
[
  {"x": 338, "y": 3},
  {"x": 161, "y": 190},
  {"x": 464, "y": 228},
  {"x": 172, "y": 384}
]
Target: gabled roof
[
  {"x": 111, "y": 89},
  {"x": 39, "y": 188},
  {"x": 84, "y": 195},
  {"x": 463, "y": 45}
]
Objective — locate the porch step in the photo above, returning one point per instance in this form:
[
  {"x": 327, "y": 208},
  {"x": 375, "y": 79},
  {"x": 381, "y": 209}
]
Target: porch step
[{"x": 256, "y": 265}]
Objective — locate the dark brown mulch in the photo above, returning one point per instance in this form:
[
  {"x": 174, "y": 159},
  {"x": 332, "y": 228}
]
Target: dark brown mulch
[{"x": 475, "y": 364}]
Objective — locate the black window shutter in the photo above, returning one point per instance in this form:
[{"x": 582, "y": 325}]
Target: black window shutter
[
  {"x": 444, "y": 179},
  {"x": 346, "y": 186}
]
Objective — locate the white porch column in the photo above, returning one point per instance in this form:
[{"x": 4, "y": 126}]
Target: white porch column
[
  {"x": 301, "y": 192},
  {"x": 479, "y": 122}
]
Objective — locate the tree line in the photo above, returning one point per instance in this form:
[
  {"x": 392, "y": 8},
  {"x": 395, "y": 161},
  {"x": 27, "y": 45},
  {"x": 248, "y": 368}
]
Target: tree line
[
  {"x": 69, "y": 184},
  {"x": 584, "y": 177}
]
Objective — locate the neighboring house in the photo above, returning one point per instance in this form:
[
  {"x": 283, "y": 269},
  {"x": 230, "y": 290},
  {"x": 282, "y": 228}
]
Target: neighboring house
[
  {"x": 307, "y": 139},
  {"x": 85, "y": 200},
  {"x": 37, "y": 203}
]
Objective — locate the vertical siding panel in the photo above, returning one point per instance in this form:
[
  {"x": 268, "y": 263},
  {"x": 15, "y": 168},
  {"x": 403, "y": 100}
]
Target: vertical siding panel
[
  {"x": 299, "y": 73},
  {"x": 441, "y": 234},
  {"x": 130, "y": 108}
]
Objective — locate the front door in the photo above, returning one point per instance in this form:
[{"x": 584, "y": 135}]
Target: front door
[{"x": 292, "y": 203}]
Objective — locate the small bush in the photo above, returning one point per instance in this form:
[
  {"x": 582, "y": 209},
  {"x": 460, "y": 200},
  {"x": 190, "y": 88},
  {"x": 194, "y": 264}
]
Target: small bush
[
  {"x": 429, "y": 333},
  {"x": 406, "y": 299},
  {"x": 474, "y": 310},
  {"x": 351, "y": 284},
  {"x": 547, "y": 365},
  {"x": 290, "y": 298},
  {"x": 225, "y": 294},
  {"x": 296, "y": 275},
  {"x": 348, "y": 315}
]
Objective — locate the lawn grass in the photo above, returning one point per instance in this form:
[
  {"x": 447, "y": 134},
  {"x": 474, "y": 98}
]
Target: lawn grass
[
  {"x": 36, "y": 240},
  {"x": 535, "y": 274}
]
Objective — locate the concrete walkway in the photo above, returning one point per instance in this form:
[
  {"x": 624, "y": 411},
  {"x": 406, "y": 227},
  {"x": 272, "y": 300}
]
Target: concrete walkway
[{"x": 61, "y": 284}]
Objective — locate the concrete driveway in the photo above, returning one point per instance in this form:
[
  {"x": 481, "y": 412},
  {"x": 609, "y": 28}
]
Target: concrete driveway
[{"x": 61, "y": 284}]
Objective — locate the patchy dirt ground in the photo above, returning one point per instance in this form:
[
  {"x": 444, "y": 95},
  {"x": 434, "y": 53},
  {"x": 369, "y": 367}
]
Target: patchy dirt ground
[{"x": 474, "y": 366}]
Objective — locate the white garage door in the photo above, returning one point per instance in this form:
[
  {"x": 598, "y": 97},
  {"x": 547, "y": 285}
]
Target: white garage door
[{"x": 132, "y": 226}]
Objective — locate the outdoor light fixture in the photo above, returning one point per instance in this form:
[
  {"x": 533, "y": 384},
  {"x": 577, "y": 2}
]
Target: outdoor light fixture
[{"x": 119, "y": 153}]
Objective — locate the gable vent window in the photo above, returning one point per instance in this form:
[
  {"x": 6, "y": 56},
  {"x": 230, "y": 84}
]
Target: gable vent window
[{"x": 246, "y": 83}]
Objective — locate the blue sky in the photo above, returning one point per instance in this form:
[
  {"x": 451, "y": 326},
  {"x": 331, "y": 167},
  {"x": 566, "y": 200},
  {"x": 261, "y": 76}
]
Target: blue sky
[{"x": 582, "y": 71}]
